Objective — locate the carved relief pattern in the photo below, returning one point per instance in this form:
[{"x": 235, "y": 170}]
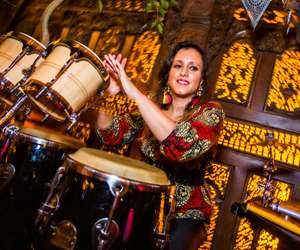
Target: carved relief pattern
[
  {"x": 245, "y": 234},
  {"x": 81, "y": 130},
  {"x": 115, "y": 105},
  {"x": 284, "y": 93},
  {"x": 234, "y": 80},
  {"x": 282, "y": 190},
  {"x": 207, "y": 244},
  {"x": 110, "y": 41},
  {"x": 142, "y": 57},
  {"x": 126, "y": 5},
  {"x": 267, "y": 241},
  {"x": 219, "y": 175},
  {"x": 250, "y": 139}
]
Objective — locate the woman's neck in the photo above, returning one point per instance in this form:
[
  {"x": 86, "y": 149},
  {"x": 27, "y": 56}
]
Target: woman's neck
[{"x": 178, "y": 106}]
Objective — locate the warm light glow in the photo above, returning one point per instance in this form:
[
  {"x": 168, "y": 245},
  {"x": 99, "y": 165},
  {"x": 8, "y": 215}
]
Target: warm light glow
[
  {"x": 142, "y": 58},
  {"x": 236, "y": 73},
  {"x": 284, "y": 93},
  {"x": 219, "y": 175},
  {"x": 249, "y": 138}
]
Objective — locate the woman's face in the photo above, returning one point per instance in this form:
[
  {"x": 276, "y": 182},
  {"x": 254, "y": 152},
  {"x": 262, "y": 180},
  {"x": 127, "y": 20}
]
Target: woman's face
[{"x": 185, "y": 73}]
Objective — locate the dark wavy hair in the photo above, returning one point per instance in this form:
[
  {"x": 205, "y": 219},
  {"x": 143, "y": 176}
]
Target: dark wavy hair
[{"x": 164, "y": 72}]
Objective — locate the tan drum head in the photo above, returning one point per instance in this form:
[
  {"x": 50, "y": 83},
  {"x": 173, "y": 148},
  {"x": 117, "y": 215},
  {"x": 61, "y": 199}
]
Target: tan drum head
[
  {"x": 49, "y": 138},
  {"x": 97, "y": 163}
]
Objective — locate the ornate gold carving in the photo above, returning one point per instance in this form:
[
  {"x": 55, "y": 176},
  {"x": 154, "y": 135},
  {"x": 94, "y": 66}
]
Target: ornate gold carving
[
  {"x": 267, "y": 241},
  {"x": 284, "y": 93},
  {"x": 234, "y": 80},
  {"x": 244, "y": 236},
  {"x": 219, "y": 175},
  {"x": 81, "y": 130},
  {"x": 142, "y": 57},
  {"x": 249, "y": 138},
  {"x": 109, "y": 42},
  {"x": 115, "y": 105},
  {"x": 126, "y": 5},
  {"x": 207, "y": 244},
  {"x": 282, "y": 189}
]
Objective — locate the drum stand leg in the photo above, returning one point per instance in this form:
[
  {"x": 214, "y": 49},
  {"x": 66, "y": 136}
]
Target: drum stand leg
[
  {"x": 7, "y": 170},
  {"x": 9, "y": 114},
  {"x": 106, "y": 230},
  {"x": 46, "y": 211}
]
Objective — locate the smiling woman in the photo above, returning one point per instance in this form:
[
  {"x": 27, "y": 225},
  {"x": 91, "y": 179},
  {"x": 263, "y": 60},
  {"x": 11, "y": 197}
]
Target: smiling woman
[{"x": 177, "y": 136}]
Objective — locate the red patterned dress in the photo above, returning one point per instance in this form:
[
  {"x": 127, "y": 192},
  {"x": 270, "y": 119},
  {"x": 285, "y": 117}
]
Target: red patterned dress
[{"x": 183, "y": 155}]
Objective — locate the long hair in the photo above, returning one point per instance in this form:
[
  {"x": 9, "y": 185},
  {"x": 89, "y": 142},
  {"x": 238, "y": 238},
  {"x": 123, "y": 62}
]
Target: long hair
[{"x": 164, "y": 72}]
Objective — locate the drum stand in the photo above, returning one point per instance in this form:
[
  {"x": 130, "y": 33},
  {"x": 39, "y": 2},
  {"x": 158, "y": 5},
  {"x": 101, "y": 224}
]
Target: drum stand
[
  {"x": 7, "y": 170},
  {"x": 17, "y": 89},
  {"x": 105, "y": 231},
  {"x": 64, "y": 234}
]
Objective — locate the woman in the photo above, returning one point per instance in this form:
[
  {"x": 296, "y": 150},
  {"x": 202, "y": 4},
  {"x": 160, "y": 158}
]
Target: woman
[{"x": 178, "y": 135}]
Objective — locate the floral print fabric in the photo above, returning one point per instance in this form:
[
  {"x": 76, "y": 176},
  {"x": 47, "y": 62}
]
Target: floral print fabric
[{"x": 178, "y": 154}]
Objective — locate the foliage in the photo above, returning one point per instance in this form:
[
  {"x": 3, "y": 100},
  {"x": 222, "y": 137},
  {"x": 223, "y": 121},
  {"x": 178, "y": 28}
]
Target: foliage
[{"x": 160, "y": 7}]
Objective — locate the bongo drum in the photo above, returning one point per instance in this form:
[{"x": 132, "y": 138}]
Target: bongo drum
[
  {"x": 98, "y": 186},
  {"x": 68, "y": 78},
  {"x": 19, "y": 55}
]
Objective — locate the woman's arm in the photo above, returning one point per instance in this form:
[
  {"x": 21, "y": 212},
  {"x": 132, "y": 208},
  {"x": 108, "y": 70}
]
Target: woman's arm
[
  {"x": 104, "y": 120},
  {"x": 195, "y": 135},
  {"x": 158, "y": 122}
]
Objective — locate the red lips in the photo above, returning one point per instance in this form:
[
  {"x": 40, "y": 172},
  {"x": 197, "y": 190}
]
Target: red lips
[{"x": 182, "y": 81}]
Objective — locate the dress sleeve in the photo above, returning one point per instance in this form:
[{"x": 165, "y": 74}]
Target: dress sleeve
[
  {"x": 122, "y": 130},
  {"x": 195, "y": 135}
]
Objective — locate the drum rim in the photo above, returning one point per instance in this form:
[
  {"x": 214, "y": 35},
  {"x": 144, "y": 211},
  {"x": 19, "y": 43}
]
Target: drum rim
[
  {"x": 104, "y": 176},
  {"x": 23, "y": 37},
  {"x": 54, "y": 95},
  {"x": 22, "y": 136}
]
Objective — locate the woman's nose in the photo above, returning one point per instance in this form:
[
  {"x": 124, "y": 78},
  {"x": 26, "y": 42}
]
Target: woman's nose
[{"x": 184, "y": 71}]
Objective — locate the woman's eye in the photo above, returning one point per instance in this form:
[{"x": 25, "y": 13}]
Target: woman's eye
[
  {"x": 177, "y": 66},
  {"x": 193, "y": 68}
]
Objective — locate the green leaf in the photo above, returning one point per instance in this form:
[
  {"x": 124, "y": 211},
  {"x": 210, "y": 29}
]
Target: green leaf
[
  {"x": 100, "y": 5},
  {"x": 160, "y": 28},
  {"x": 162, "y": 12},
  {"x": 164, "y": 4},
  {"x": 172, "y": 3},
  {"x": 156, "y": 4},
  {"x": 149, "y": 6}
]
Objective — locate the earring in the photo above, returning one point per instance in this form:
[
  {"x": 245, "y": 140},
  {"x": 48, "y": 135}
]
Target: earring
[
  {"x": 167, "y": 97},
  {"x": 199, "y": 91}
]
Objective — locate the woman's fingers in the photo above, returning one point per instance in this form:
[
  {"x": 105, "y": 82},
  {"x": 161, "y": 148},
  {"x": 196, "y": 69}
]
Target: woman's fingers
[
  {"x": 110, "y": 61},
  {"x": 123, "y": 62}
]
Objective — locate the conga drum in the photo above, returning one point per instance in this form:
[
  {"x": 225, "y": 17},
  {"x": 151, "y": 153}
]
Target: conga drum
[
  {"x": 69, "y": 77},
  {"x": 19, "y": 55},
  {"x": 36, "y": 154},
  {"x": 95, "y": 206}
]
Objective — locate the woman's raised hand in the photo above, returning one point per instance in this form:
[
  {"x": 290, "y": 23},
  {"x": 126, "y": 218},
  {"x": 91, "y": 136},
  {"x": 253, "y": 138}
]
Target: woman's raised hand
[
  {"x": 116, "y": 66},
  {"x": 114, "y": 87}
]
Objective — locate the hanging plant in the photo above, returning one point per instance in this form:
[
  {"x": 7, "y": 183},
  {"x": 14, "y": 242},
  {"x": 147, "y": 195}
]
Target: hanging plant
[{"x": 160, "y": 7}]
